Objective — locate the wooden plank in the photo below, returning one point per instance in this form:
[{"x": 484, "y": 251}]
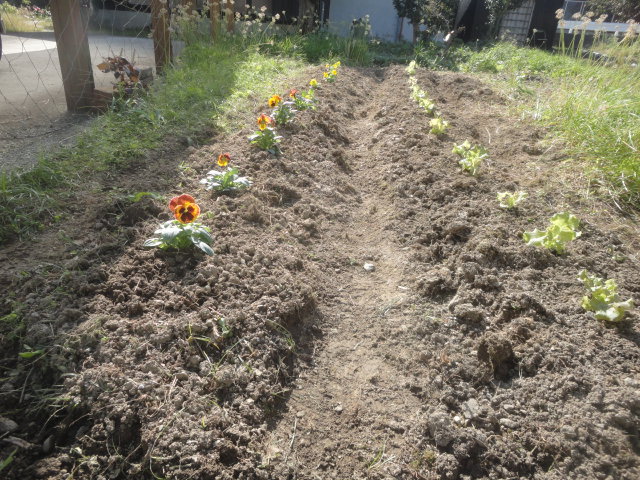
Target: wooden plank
[
  {"x": 161, "y": 35},
  {"x": 214, "y": 8},
  {"x": 70, "y": 29}
]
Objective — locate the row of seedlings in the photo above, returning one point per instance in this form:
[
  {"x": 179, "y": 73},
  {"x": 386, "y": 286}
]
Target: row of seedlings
[{"x": 602, "y": 296}]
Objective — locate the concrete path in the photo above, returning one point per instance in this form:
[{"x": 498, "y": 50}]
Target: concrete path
[{"x": 33, "y": 113}]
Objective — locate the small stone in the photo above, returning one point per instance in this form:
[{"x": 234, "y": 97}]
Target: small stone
[
  {"x": 508, "y": 423},
  {"x": 369, "y": 267},
  {"x": 338, "y": 409},
  {"x": 300, "y": 414},
  {"x": 7, "y": 425},
  {"x": 47, "y": 445},
  {"x": 471, "y": 409},
  {"x": 440, "y": 429}
]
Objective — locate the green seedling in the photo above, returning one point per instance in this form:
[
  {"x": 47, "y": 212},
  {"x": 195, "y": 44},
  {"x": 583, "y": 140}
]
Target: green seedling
[
  {"x": 420, "y": 97},
  {"x": 603, "y": 298},
  {"x": 510, "y": 200},
  {"x": 284, "y": 113},
  {"x": 411, "y": 68},
  {"x": 562, "y": 230},
  {"x": 438, "y": 126},
  {"x": 471, "y": 156},
  {"x": 228, "y": 180}
]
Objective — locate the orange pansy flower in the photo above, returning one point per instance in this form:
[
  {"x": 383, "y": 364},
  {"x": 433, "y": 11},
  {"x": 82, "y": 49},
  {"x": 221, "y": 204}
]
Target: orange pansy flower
[
  {"x": 275, "y": 100},
  {"x": 180, "y": 200},
  {"x": 293, "y": 92},
  {"x": 187, "y": 212},
  {"x": 264, "y": 120},
  {"x": 224, "y": 159},
  {"x": 185, "y": 208}
]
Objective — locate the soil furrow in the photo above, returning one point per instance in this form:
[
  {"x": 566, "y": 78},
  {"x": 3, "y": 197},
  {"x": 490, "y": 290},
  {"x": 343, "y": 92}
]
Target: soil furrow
[{"x": 350, "y": 411}]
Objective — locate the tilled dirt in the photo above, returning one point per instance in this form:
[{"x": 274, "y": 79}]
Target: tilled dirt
[{"x": 461, "y": 353}]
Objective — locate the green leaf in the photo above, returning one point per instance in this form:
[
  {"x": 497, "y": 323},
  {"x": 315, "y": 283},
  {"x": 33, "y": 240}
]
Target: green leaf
[
  {"x": 140, "y": 195},
  {"x": 152, "y": 242},
  {"x": 32, "y": 354},
  {"x": 565, "y": 221},
  {"x": 604, "y": 300},
  {"x": 535, "y": 238},
  {"x": 204, "y": 247},
  {"x": 7, "y": 461}
]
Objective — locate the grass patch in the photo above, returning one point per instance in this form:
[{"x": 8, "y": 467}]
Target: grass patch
[
  {"x": 211, "y": 86},
  {"x": 24, "y": 20}
]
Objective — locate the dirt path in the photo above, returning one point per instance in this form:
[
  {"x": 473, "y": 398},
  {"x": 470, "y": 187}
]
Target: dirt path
[{"x": 349, "y": 412}]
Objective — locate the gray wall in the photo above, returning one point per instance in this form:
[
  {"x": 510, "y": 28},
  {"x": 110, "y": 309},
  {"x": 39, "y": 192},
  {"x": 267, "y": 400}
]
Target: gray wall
[{"x": 383, "y": 17}]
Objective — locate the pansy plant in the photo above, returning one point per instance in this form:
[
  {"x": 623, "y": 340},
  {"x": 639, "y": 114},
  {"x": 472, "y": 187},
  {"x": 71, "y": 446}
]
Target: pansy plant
[
  {"x": 265, "y": 138},
  {"x": 183, "y": 232},
  {"x": 331, "y": 72},
  {"x": 283, "y": 111},
  {"x": 303, "y": 100},
  {"x": 227, "y": 180}
]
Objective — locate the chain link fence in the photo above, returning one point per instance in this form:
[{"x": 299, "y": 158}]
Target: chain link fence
[{"x": 42, "y": 62}]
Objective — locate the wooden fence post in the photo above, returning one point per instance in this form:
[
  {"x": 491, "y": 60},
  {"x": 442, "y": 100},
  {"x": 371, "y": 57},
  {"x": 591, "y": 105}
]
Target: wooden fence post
[
  {"x": 214, "y": 12},
  {"x": 70, "y": 29},
  {"x": 231, "y": 19},
  {"x": 161, "y": 35}
]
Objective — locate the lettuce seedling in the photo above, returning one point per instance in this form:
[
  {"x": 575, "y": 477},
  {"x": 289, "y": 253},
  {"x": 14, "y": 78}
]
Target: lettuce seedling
[
  {"x": 562, "y": 230},
  {"x": 472, "y": 156},
  {"x": 510, "y": 200},
  {"x": 420, "y": 97},
  {"x": 411, "y": 68},
  {"x": 438, "y": 126},
  {"x": 603, "y": 298},
  {"x": 225, "y": 181}
]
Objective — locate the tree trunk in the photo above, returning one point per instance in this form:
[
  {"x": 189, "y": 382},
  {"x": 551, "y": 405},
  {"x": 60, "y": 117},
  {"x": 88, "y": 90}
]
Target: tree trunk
[{"x": 416, "y": 31}]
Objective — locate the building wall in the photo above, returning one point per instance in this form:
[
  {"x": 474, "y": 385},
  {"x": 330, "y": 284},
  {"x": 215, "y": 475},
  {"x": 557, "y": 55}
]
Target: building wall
[{"x": 385, "y": 23}]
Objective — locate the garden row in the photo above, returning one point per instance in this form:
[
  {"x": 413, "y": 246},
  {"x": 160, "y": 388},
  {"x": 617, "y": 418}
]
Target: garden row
[{"x": 602, "y": 298}]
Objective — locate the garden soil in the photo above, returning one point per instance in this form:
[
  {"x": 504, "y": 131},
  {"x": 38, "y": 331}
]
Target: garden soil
[{"x": 459, "y": 352}]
